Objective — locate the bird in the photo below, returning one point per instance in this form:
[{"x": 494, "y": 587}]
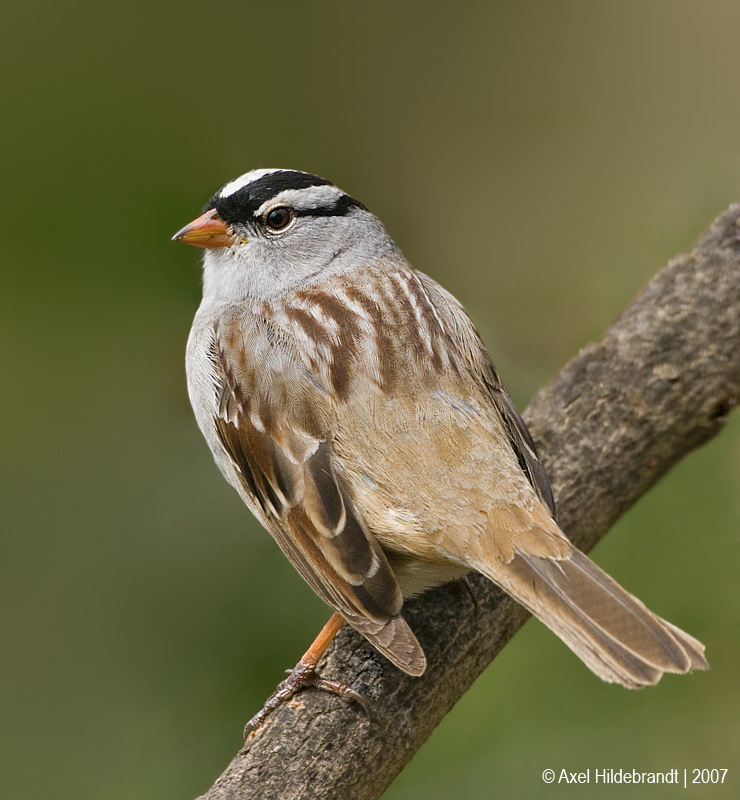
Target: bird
[{"x": 352, "y": 404}]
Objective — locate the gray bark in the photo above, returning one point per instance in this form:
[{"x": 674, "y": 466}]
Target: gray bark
[{"x": 659, "y": 383}]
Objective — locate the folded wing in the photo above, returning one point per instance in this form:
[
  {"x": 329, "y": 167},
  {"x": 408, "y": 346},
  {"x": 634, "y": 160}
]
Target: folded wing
[{"x": 291, "y": 476}]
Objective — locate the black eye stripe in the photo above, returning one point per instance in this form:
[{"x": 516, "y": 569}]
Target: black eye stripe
[{"x": 341, "y": 208}]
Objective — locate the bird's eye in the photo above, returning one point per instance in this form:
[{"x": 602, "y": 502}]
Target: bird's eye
[{"x": 279, "y": 218}]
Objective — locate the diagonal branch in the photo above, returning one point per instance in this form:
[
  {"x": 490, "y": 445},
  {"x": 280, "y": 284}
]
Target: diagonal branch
[{"x": 659, "y": 383}]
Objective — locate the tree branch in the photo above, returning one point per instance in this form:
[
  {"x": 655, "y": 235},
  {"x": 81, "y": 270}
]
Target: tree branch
[{"x": 659, "y": 383}]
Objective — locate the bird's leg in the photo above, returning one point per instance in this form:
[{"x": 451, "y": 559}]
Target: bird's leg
[{"x": 304, "y": 674}]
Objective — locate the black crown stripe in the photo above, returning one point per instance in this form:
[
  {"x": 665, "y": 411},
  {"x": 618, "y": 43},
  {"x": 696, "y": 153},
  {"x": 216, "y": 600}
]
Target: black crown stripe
[{"x": 241, "y": 205}]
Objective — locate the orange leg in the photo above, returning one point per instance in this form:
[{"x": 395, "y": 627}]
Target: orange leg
[
  {"x": 320, "y": 644},
  {"x": 304, "y": 675}
]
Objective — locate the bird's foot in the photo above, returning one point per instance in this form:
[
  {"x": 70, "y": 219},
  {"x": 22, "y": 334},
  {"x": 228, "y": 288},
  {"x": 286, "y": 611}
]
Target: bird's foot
[{"x": 300, "y": 677}]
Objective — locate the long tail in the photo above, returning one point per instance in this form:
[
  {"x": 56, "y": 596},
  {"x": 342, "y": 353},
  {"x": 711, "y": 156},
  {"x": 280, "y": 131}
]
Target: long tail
[{"x": 610, "y": 630}]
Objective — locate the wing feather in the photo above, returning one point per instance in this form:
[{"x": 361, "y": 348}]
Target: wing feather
[
  {"x": 476, "y": 360},
  {"x": 290, "y": 475},
  {"x": 521, "y": 441}
]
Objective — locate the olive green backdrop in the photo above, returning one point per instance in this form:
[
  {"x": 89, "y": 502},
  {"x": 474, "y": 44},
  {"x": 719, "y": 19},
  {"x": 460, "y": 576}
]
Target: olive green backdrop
[{"x": 541, "y": 159}]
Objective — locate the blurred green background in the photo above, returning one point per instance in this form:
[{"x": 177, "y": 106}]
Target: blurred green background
[{"x": 541, "y": 159}]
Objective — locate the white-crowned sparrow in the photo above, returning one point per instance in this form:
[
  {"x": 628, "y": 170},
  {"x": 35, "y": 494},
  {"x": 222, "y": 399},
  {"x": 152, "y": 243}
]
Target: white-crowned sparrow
[{"x": 351, "y": 403}]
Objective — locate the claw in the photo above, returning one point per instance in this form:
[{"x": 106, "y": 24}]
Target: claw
[
  {"x": 300, "y": 677},
  {"x": 467, "y": 586}
]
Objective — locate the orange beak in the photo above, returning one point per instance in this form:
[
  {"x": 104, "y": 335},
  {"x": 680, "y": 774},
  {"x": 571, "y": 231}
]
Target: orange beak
[{"x": 209, "y": 230}]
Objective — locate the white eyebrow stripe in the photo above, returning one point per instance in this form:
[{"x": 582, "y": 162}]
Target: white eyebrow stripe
[
  {"x": 245, "y": 180},
  {"x": 304, "y": 199}
]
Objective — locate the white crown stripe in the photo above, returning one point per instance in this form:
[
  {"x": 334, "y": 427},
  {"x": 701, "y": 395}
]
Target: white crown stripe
[{"x": 245, "y": 180}]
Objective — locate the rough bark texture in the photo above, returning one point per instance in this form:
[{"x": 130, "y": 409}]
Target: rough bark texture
[{"x": 659, "y": 383}]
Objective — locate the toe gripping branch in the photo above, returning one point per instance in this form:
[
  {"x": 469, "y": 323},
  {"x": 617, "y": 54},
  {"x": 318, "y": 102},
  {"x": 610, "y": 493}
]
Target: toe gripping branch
[{"x": 304, "y": 675}]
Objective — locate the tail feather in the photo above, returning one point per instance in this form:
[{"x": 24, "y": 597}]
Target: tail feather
[
  {"x": 397, "y": 642},
  {"x": 610, "y": 630}
]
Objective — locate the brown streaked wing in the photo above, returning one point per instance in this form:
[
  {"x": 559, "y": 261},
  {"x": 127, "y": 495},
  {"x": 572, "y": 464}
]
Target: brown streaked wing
[
  {"x": 476, "y": 359},
  {"x": 291, "y": 476},
  {"x": 521, "y": 441}
]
